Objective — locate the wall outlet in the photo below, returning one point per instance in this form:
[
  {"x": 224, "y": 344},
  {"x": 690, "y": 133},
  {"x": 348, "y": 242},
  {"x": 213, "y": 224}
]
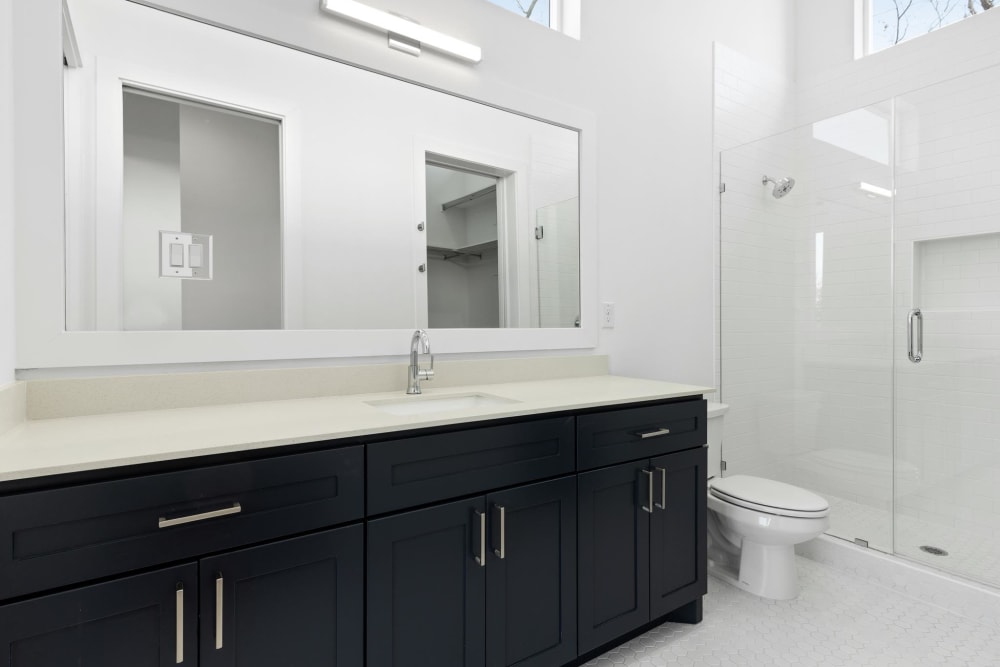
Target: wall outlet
[{"x": 607, "y": 316}]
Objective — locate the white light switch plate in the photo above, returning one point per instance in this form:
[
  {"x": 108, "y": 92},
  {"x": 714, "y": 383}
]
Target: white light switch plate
[{"x": 185, "y": 255}]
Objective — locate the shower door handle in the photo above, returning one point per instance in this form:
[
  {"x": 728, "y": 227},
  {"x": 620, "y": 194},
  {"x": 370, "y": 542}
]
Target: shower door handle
[{"x": 915, "y": 325}]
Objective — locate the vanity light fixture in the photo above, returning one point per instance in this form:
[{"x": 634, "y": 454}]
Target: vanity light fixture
[{"x": 404, "y": 34}]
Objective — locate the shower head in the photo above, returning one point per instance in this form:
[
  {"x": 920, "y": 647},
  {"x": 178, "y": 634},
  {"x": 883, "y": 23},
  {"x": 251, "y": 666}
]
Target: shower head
[{"x": 782, "y": 186}]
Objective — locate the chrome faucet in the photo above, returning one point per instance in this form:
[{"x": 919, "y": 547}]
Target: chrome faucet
[{"x": 419, "y": 343}]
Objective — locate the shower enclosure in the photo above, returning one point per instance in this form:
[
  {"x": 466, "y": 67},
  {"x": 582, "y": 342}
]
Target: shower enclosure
[{"x": 860, "y": 320}]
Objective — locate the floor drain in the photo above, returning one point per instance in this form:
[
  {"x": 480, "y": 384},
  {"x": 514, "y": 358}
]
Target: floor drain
[{"x": 934, "y": 551}]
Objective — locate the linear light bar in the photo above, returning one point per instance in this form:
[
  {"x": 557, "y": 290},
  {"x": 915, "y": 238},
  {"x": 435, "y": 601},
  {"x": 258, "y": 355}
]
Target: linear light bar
[
  {"x": 875, "y": 190},
  {"x": 356, "y": 11}
]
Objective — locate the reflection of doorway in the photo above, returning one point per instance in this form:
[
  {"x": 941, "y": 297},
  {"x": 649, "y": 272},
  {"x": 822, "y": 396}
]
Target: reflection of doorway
[
  {"x": 465, "y": 285},
  {"x": 194, "y": 168}
]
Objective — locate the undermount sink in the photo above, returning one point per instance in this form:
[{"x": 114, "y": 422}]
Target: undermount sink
[{"x": 422, "y": 405}]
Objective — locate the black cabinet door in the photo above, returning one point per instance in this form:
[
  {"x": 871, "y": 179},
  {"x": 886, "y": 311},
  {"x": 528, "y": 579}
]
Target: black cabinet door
[
  {"x": 677, "y": 530},
  {"x": 296, "y": 602},
  {"x": 148, "y": 620},
  {"x": 613, "y": 553},
  {"x": 426, "y": 590},
  {"x": 531, "y": 575}
]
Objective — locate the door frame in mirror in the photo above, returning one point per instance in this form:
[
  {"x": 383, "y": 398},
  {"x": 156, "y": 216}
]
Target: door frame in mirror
[{"x": 42, "y": 338}]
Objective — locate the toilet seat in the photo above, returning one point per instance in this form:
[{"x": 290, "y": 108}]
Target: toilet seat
[{"x": 769, "y": 496}]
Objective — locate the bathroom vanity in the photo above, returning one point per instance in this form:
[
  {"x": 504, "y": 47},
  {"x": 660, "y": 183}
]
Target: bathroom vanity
[{"x": 524, "y": 533}]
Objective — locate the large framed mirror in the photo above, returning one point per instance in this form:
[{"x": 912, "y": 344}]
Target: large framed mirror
[{"x": 227, "y": 197}]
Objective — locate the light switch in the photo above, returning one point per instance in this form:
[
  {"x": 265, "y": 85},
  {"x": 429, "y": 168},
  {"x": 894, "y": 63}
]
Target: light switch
[
  {"x": 185, "y": 255},
  {"x": 176, "y": 254},
  {"x": 196, "y": 257}
]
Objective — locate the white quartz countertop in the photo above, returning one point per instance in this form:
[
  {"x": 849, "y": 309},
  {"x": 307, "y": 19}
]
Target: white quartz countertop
[{"x": 42, "y": 447}]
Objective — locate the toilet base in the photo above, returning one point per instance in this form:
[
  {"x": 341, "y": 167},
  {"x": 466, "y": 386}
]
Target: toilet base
[{"x": 767, "y": 571}]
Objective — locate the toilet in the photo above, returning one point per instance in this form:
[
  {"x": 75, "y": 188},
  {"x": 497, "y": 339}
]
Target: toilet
[{"x": 755, "y": 523}]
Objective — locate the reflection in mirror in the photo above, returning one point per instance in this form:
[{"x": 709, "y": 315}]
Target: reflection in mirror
[
  {"x": 557, "y": 232},
  {"x": 314, "y": 195},
  {"x": 463, "y": 286},
  {"x": 194, "y": 169}
]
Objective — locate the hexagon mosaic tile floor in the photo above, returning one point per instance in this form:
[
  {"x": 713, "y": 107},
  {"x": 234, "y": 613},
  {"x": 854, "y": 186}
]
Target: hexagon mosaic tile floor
[{"x": 838, "y": 619}]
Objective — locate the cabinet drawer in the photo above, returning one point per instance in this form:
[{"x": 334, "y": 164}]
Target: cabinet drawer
[
  {"x": 606, "y": 438},
  {"x": 63, "y": 536},
  {"x": 413, "y": 471}
]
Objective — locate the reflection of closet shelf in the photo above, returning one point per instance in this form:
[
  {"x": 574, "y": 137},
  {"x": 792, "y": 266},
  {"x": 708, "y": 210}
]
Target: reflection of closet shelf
[
  {"x": 470, "y": 199},
  {"x": 468, "y": 252}
]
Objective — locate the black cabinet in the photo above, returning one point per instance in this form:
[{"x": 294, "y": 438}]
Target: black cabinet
[
  {"x": 70, "y": 535},
  {"x": 615, "y": 436},
  {"x": 295, "y": 602},
  {"x": 486, "y": 581},
  {"x": 614, "y": 553},
  {"x": 642, "y": 544},
  {"x": 524, "y": 561},
  {"x": 426, "y": 590},
  {"x": 677, "y": 536},
  {"x": 531, "y": 589},
  {"x": 299, "y": 601},
  {"x": 148, "y": 620},
  {"x": 431, "y": 468}
]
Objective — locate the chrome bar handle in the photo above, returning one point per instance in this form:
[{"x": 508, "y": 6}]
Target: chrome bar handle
[
  {"x": 191, "y": 518},
  {"x": 653, "y": 434},
  {"x": 481, "y": 556},
  {"x": 649, "y": 479},
  {"x": 218, "y": 611},
  {"x": 663, "y": 489},
  {"x": 179, "y": 621},
  {"x": 501, "y": 553},
  {"x": 918, "y": 354}
]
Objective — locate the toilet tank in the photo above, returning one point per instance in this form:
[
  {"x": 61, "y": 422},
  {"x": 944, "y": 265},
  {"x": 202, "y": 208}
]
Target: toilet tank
[{"x": 715, "y": 417}]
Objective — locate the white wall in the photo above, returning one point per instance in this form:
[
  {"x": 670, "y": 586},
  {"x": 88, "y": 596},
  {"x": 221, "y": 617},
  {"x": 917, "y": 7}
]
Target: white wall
[
  {"x": 151, "y": 201},
  {"x": 230, "y": 189},
  {"x": 7, "y": 161}
]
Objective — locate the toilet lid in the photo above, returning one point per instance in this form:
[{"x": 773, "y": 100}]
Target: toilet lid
[{"x": 768, "y": 495}]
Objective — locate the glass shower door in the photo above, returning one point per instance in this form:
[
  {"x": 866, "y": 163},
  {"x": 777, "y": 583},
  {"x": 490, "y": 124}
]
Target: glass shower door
[
  {"x": 806, "y": 316},
  {"x": 947, "y": 326}
]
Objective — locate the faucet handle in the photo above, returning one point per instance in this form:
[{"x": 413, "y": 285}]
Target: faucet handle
[{"x": 427, "y": 373}]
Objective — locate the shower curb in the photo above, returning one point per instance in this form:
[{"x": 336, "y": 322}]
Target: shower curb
[{"x": 974, "y": 601}]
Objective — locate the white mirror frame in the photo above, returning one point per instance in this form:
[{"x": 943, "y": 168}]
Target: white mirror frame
[{"x": 42, "y": 338}]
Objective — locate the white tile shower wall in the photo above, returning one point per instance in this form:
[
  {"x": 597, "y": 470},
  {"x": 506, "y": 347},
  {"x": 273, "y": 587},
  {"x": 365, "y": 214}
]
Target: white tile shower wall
[
  {"x": 752, "y": 100},
  {"x": 757, "y": 297}
]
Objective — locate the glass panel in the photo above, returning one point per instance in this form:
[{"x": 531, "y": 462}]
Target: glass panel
[
  {"x": 806, "y": 333},
  {"x": 947, "y": 254}
]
